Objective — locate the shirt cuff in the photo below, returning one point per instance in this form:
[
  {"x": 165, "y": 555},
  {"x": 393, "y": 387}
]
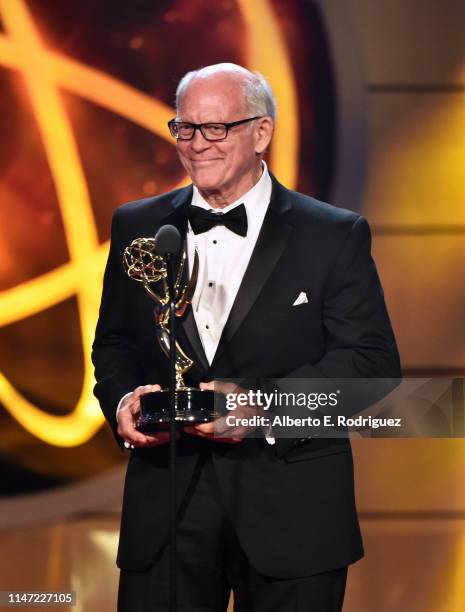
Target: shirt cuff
[
  {"x": 268, "y": 433},
  {"x": 118, "y": 408}
]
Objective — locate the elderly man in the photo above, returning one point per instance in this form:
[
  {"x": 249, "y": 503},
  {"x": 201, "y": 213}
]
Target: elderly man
[{"x": 276, "y": 523}]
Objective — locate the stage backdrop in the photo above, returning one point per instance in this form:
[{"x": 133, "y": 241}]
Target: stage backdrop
[
  {"x": 86, "y": 90},
  {"x": 370, "y": 116}
]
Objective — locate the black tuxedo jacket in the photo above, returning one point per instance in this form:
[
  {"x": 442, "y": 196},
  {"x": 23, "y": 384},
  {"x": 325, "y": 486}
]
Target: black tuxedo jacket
[{"x": 293, "y": 503}]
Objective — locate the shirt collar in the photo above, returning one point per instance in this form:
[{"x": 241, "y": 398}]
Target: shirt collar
[{"x": 254, "y": 200}]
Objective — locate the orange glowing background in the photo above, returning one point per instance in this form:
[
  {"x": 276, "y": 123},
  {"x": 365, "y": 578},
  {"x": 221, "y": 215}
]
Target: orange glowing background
[
  {"x": 371, "y": 115},
  {"x": 86, "y": 91}
]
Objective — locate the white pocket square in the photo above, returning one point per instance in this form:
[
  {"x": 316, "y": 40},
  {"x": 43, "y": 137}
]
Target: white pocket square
[{"x": 301, "y": 299}]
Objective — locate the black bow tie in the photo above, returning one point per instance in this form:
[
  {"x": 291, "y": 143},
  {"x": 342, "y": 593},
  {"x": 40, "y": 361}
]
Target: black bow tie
[{"x": 202, "y": 220}]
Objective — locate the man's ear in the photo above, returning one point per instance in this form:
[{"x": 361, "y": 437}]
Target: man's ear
[{"x": 263, "y": 133}]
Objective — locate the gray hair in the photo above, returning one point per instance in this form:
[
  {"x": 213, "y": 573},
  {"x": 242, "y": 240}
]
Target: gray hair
[{"x": 259, "y": 96}]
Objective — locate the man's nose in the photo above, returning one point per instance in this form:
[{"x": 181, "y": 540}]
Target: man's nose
[{"x": 198, "y": 142}]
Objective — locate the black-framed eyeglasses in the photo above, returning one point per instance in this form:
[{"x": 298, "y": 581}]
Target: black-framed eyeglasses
[{"x": 210, "y": 131}]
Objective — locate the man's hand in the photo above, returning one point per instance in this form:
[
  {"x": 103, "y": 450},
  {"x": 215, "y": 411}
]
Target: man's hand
[
  {"x": 219, "y": 430},
  {"x": 127, "y": 417}
]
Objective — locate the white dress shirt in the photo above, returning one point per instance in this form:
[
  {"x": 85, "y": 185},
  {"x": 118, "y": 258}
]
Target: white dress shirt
[{"x": 223, "y": 260}]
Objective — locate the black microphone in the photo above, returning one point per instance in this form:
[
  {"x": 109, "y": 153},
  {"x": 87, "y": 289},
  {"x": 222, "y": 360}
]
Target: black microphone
[
  {"x": 168, "y": 245},
  {"x": 168, "y": 240}
]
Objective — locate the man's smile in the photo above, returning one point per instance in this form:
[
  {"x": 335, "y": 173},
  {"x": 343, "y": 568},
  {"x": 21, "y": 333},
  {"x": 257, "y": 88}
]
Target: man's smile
[{"x": 204, "y": 161}]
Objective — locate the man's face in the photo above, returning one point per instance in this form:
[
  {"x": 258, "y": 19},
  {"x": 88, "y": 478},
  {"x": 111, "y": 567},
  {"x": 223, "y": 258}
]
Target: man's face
[{"x": 226, "y": 168}]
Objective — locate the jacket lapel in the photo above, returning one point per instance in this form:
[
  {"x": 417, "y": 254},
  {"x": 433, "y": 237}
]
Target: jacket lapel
[
  {"x": 272, "y": 240},
  {"x": 187, "y": 329},
  {"x": 177, "y": 216}
]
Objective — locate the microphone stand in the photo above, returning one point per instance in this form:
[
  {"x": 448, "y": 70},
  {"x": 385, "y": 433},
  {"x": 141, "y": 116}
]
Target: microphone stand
[{"x": 172, "y": 501}]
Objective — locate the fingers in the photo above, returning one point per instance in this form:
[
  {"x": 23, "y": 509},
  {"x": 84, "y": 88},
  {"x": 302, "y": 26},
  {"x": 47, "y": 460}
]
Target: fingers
[
  {"x": 128, "y": 415},
  {"x": 135, "y": 395},
  {"x": 218, "y": 427},
  {"x": 127, "y": 426},
  {"x": 219, "y": 386},
  {"x": 194, "y": 431},
  {"x": 208, "y": 386},
  {"x": 203, "y": 428},
  {"x": 158, "y": 438},
  {"x": 211, "y": 431}
]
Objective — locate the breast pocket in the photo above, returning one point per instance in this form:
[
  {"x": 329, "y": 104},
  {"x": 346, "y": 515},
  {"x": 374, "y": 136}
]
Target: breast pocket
[{"x": 302, "y": 298}]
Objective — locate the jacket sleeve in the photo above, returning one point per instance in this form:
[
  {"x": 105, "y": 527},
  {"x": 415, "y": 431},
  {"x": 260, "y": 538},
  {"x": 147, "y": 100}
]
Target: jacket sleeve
[{"x": 117, "y": 360}]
